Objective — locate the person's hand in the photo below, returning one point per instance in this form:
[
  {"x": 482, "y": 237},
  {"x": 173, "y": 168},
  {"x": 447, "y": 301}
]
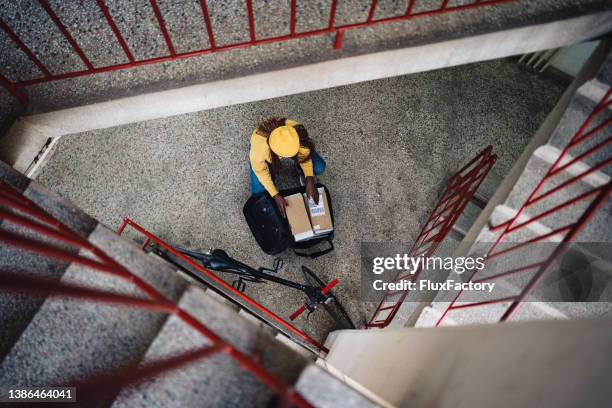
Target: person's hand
[
  {"x": 311, "y": 189},
  {"x": 281, "y": 203}
]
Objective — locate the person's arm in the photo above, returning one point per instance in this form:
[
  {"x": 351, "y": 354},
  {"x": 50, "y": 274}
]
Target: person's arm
[
  {"x": 311, "y": 189},
  {"x": 306, "y": 165},
  {"x": 260, "y": 168},
  {"x": 262, "y": 172}
]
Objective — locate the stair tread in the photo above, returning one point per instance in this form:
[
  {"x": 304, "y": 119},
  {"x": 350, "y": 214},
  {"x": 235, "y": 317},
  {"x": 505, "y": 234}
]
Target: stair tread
[
  {"x": 323, "y": 390},
  {"x": 61, "y": 209},
  {"x": 536, "y": 168},
  {"x": 16, "y": 311},
  {"x": 13, "y": 178},
  {"x": 205, "y": 380},
  {"x": 69, "y": 339}
]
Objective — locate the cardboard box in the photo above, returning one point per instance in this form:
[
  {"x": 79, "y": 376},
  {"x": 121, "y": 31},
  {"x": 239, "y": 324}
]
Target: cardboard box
[
  {"x": 298, "y": 217},
  {"x": 320, "y": 217}
]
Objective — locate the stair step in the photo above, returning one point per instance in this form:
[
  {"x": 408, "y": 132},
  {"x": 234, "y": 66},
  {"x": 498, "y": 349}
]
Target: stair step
[
  {"x": 324, "y": 390},
  {"x": 13, "y": 178},
  {"x": 536, "y": 168},
  {"x": 487, "y": 314},
  {"x": 61, "y": 209},
  {"x": 16, "y": 311},
  {"x": 217, "y": 380},
  {"x": 431, "y": 314},
  {"x": 69, "y": 340},
  {"x": 595, "y": 284},
  {"x": 489, "y": 185},
  {"x": 467, "y": 218},
  {"x": 555, "y": 284},
  {"x": 581, "y": 106}
]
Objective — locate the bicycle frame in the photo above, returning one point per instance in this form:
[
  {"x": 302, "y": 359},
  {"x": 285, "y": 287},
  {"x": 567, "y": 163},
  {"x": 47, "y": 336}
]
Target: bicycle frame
[
  {"x": 248, "y": 273},
  {"x": 316, "y": 295}
]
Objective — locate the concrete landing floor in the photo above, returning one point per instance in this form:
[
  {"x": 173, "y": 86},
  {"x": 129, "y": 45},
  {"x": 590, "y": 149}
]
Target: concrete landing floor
[{"x": 389, "y": 146}]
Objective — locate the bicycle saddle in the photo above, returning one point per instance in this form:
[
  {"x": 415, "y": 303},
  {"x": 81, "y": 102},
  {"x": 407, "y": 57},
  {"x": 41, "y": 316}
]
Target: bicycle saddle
[{"x": 220, "y": 260}]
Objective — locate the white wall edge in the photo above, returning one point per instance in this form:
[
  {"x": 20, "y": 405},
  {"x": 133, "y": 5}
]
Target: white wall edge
[{"x": 31, "y": 132}]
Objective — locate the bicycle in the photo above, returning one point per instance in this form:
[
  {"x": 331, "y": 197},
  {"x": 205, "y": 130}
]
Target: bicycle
[{"x": 318, "y": 294}]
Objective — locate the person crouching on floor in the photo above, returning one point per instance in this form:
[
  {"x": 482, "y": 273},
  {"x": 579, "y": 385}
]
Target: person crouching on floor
[{"x": 277, "y": 139}]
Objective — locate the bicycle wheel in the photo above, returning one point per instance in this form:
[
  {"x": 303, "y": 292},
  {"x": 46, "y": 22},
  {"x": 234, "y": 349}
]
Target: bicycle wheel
[
  {"x": 331, "y": 304},
  {"x": 337, "y": 312}
]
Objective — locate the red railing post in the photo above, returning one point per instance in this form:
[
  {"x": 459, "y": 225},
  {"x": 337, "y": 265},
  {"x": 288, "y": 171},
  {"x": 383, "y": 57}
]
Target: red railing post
[
  {"x": 589, "y": 213},
  {"x": 331, "y": 28},
  {"x": 292, "y": 17},
  {"x": 162, "y": 27},
  {"x": 251, "y": 17},
  {"x": 338, "y": 40},
  {"x": 372, "y": 11},
  {"x": 459, "y": 189},
  {"x": 24, "y": 48},
  {"x": 109, "y": 19},
  {"x": 409, "y": 8},
  {"x": 332, "y": 15},
  {"x": 208, "y": 24},
  {"x": 570, "y": 230},
  {"x": 45, "y": 5},
  {"x": 49, "y": 227}
]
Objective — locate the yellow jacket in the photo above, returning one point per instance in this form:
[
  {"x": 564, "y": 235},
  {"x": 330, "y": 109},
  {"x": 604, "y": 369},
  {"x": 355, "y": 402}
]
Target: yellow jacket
[{"x": 260, "y": 157}]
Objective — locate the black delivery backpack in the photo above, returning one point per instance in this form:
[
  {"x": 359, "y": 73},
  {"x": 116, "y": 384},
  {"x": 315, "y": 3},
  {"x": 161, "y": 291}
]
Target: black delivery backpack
[{"x": 272, "y": 231}]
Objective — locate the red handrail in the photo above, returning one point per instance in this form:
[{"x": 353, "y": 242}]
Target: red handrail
[
  {"x": 459, "y": 190},
  {"x": 41, "y": 222},
  {"x": 15, "y": 87},
  {"x": 599, "y": 194},
  {"x": 227, "y": 287}
]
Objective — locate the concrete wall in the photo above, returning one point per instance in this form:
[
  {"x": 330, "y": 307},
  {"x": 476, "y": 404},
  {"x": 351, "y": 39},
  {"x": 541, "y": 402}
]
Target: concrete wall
[
  {"x": 534, "y": 364},
  {"x": 570, "y": 60}
]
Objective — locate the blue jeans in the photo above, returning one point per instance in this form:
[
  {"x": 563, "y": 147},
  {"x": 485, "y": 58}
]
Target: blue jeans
[{"x": 318, "y": 167}]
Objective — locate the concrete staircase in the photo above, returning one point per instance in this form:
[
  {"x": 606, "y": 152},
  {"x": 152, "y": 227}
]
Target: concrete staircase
[
  {"x": 17, "y": 311},
  {"x": 548, "y": 300},
  {"x": 63, "y": 341}
]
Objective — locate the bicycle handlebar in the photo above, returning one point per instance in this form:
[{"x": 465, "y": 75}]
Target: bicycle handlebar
[{"x": 324, "y": 291}]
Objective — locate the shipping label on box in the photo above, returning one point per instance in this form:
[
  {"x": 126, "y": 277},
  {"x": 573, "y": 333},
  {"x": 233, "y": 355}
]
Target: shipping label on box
[{"x": 320, "y": 217}]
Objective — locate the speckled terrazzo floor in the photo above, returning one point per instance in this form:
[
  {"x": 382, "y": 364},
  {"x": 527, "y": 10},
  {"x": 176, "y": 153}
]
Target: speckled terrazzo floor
[{"x": 389, "y": 144}]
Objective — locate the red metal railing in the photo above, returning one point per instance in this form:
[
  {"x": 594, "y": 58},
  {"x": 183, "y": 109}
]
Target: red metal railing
[
  {"x": 18, "y": 210},
  {"x": 286, "y": 327},
  {"x": 459, "y": 190},
  {"x": 599, "y": 196},
  {"x": 332, "y": 28}
]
